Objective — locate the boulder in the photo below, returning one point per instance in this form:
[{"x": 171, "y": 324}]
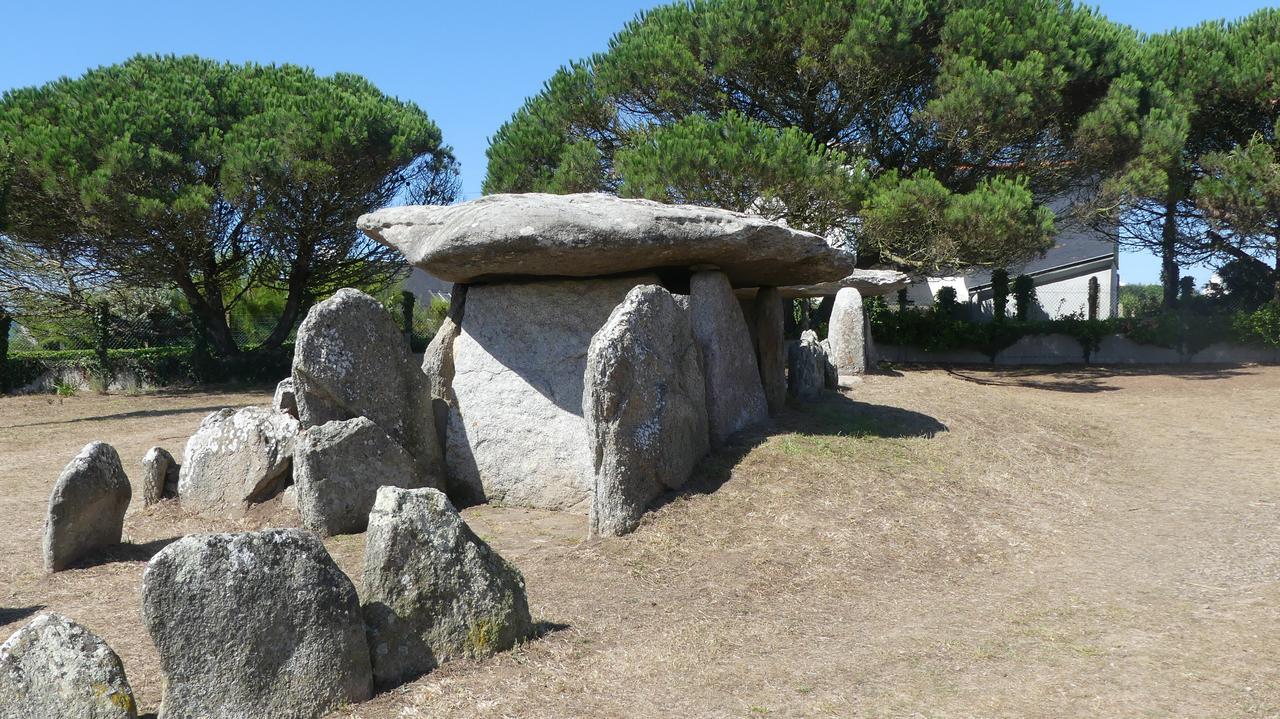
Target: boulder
[
  {"x": 433, "y": 590},
  {"x": 847, "y": 333},
  {"x": 645, "y": 407},
  {"x": 735, "y": 395},
  {"x": 53, "y": 668},
  {"x": 285, "y": 400},
  {"x": 258, "y": 624},
  {"x": 337, "y": 469},
  {"x": 806, "y": 368},
  {"x": 516, "y": 433},
  {"x": 159, "y": 476},
  {"x": 592, "y": 235},
  {"x": 236, "y": 458},
  {"x": 350, "y": 360},
  {"x": 86, "y": 507},
  {"x": 771, "y": 347}
]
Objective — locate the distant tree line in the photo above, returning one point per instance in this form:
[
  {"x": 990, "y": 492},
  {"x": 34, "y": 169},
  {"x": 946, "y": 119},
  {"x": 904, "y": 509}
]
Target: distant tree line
[{"x": 927, "y": 132}]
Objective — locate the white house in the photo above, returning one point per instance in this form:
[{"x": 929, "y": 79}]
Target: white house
[{"x": 1061, "y": 277}]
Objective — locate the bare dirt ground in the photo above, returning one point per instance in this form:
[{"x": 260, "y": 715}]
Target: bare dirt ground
[{"x": 972, "y": 543}]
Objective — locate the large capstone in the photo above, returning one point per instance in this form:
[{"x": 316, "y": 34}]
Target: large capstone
[
  {"x": 86, "y": 507},
  {"x": 433, "y": 590},
  {"x": 591, "y": 235},
  {"x": 516, "y": 433},
  {"x": 159, "y": 476},
  {"x": 350, "y": 360},
  {"x": 236, "y": 458},
  {"x": 645, "y": 407},
  {"x": 771, "y": 346},
  {"x": 338, "y": 468},
  {"x": 259, "y": 624},
  {"x": 735, "y": 395},
  {"x": 847, "y": 333},
  {"x": 53, "y": 668}
]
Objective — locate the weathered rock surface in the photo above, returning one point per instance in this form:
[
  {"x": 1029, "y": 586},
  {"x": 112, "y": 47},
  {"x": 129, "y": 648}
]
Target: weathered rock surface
[
  {"x": 433, "y": 590},
  {"x": 159, "y": 476},
  {"x": 338, "y": 468},
  {"x": 590, "y": 235},
  {"x": 735, "y": 395},
  {"x": 516, "y": 433},
  {"x": 53, "y": 668},
  {"x": 259, "y": 624},
  {"x": 285, "y": 400},
  {"x": 830, "y": 378},
  {"x": 847, "y": 333},
  {"x": 350, "y": 360},
  {"x": 86, "y": 507},
  {"x": 806, "y": 366},
  {"x": 437, "y": 363},
  {"x": 645, "y": 407},
  {"x": 236, "y": 458},
  {"x": 771, "y": 347}
]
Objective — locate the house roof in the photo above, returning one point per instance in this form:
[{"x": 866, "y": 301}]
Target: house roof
[{"x": 1074, "y": 245}]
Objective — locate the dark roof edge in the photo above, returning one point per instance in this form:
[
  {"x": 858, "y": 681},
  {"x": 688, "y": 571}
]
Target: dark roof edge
[{"x": 1055, "y": 268}]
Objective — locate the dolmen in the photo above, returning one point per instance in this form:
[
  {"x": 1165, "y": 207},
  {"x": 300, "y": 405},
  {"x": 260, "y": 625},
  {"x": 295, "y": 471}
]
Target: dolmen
[{"x": 595, "y": 349}]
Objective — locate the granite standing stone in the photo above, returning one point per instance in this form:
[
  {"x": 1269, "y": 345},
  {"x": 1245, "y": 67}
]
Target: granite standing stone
[
  {"x": 159, "y": 476},
  {"x": 258, "y": 624},
  {"x": 806, "y": 373},
  {"x": 433, "y": 590},
  {"x": 771, "y": 347},
  {"x": 53, "y": 668},
  {"x": 645, "y": 407},
  {"x": 285, "y": 399},
  {"x": 847, "y": 333},
  {"x": 236, "y": 458},
  {"x": 735, "y": 395},
  {"x": 86, "y": 507}
]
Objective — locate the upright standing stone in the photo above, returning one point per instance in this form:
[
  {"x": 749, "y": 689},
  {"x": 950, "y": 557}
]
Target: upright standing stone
[
  {"x": 645, "y": 406},
  {"x": 516, "y": 433},
  {"x": 806, "y": 365},
  {"x": 86, "y": 507},
  {"x": 735, "y": 395},
  {"x": 236, "y": 458},
  {"x": 159, "y": 476},
  {"x": 847, "y": 333},
  {"x": 437, "y": 363},
  {"x": 285, "y": 399},
  {"x": 259, "y": 624},
  {"x": 338, "y": 468},
  {"x": 53, "y": 668},
  {"x": 771, "y": 347},
  {"x": 433, "y": 590},
  {"x": 350, "y": 361}
]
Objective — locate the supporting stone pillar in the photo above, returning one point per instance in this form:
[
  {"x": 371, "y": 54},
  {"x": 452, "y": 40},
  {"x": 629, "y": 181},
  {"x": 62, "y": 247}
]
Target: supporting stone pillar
[
  {"x": 735, "y": 395},
  {"x": 847, "y": 333},
  {"x": 771, "y": 347}
]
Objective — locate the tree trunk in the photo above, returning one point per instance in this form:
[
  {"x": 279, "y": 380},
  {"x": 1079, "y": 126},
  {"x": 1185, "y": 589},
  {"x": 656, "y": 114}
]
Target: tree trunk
[
  {"x": 212, "y": 317},
  {"x": 297, "y": 301},
  {"x": 1169, "y": 271}
]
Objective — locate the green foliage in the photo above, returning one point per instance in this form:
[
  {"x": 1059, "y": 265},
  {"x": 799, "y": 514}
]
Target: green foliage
[
  {"x": 157, "y": 366},
  {"x": 1024, "y": 296},
  {"x": 1000, "y": 294},
  {"x": 1262, "y": 325},
  {"x": 212, "y": 179},
  {"x": 1141, "y": 300},
  {"x": 921, "y": 129},
  {"x": 1246, "y": 283},
  {"x": 945, "y": 300}
]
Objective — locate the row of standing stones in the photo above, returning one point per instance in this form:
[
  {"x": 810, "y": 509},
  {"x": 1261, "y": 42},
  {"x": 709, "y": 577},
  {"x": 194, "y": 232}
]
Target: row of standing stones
[{"x": 595, "y": 350}]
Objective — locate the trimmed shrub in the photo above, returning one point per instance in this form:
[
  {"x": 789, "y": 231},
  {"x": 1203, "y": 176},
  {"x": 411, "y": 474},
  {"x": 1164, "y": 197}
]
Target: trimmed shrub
[
  {"x": 1000, "y": 294},
  {"x": 1024, "y": 294}
]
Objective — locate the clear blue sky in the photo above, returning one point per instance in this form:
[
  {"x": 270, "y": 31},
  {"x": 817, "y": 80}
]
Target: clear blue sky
[{"x": 468, "y": 64}]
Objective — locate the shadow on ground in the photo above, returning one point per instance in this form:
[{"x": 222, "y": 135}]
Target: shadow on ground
[
  {"x": 8, "y": 615},
  {"x": 126, "y": 552},
  {"x": 135, "y": 414},
  {"x": 1081, "y": 379}
]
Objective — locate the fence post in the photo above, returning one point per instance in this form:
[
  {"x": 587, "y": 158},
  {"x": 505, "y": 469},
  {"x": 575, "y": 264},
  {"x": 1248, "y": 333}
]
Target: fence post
[
  {"x": 6, "y": 322},
  {"x": 406, "y": 315}
]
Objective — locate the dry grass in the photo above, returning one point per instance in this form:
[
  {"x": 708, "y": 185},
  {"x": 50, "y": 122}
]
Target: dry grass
[{"x": 971, "y": 544}]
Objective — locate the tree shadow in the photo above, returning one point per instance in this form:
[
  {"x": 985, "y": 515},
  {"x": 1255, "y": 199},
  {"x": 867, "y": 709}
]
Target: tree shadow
[
  {"x": 135, "y": 414},
  {"x": 124, "y": 552},
  {"x": 1086, "y": 379},
  {"x": 8, "y": 615}
]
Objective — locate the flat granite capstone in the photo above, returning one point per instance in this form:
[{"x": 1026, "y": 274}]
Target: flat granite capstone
[{"x": 591, "y": 235}]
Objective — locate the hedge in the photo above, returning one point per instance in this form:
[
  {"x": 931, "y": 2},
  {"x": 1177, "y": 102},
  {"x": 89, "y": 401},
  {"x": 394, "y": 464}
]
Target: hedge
[{"x": 156, "y": 366}]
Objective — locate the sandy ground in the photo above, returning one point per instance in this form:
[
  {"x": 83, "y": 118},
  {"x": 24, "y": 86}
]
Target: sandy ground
[{"x": 973, "y": 543}]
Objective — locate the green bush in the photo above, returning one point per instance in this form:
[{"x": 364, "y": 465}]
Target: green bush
[
  {"x": 1261, "y": 326},
  {"x": 157, "y": 366}
]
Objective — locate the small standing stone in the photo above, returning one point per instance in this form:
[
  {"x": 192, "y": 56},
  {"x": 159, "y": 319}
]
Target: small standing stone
[
  {"x": 257, "y": 624},
  {"x": 338, "y": 468},
  {"x": 159, "y": 476},
  {"x": 433, "y": 590},
  {"x": 771, "y": 347},
  {"x": 87, "y": 506},
  {"x": 53, "y": 668},
  {"x": 847, "y": 333},
  {"x": 285, "y": 400},
  {"x": 735, "y": 395},
  {"x": 806, "y": 366}
]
